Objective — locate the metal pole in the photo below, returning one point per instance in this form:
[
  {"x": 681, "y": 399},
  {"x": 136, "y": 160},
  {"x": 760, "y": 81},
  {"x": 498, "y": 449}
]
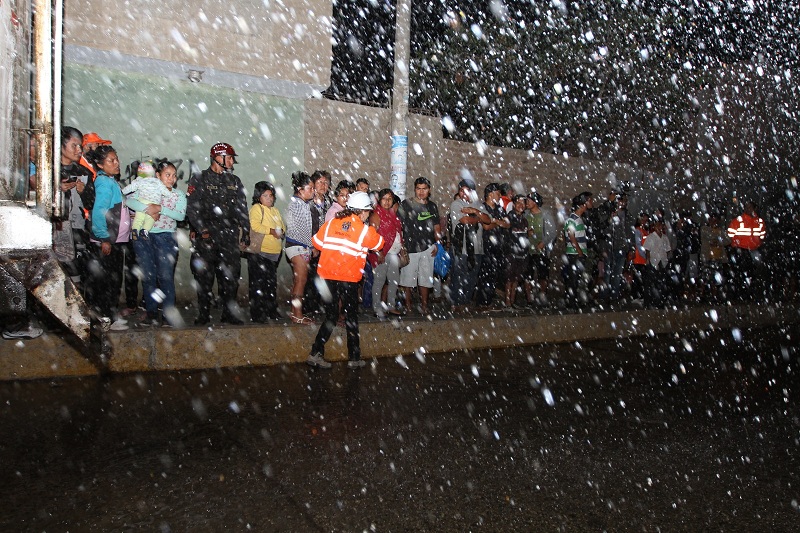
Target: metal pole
[
  {"x": 43, "y": 107},
  {"x": 402, "y": 44}
]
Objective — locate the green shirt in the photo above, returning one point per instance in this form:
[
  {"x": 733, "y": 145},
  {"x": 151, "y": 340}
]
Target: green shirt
[
  {"x": 575, "y": 225},
  {"x": 536, "y": 224}
]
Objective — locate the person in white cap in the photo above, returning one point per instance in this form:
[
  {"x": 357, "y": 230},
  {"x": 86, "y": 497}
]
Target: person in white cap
[{"x": 343, "y": 243}]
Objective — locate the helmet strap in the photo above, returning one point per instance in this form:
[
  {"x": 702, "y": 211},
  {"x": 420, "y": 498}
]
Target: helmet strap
[{"x": 225, "y": 170}]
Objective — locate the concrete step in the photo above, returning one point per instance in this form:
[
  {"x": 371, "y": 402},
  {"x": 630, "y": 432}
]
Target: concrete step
[{"x": 56, "y": 355}]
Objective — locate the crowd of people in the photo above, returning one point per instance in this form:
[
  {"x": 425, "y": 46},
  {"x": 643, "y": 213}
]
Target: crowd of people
[
  {"x": 495, "y": 251},
  {"x": 96, "y": 236},
  {"x": 653, "y": 260}
]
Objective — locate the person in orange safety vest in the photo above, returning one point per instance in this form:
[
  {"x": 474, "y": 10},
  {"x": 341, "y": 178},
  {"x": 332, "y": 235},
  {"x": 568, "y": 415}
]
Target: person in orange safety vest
[
  {"x": 747, "y": 233},
  {"x": 640, "y": 231},
  {"x": 343, "y": 243}
]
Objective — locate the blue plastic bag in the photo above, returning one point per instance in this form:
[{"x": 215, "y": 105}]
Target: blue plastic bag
[{"x": 442, "y": 262}]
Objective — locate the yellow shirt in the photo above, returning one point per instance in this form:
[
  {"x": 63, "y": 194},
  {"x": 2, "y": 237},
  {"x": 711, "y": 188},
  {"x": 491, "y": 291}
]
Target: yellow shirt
[{"x": 263, "y": 220}]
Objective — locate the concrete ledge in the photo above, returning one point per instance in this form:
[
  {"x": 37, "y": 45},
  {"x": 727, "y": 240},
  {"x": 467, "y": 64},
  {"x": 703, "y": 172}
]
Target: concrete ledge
[{"x": 196, "y": 348}]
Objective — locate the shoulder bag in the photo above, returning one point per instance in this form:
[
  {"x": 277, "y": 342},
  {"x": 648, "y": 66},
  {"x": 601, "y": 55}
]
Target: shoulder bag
[{"x": 256, "y": 238}]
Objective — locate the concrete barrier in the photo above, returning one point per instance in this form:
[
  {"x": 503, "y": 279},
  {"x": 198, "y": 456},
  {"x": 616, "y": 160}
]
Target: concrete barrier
[{"x": 141, "y": 350}]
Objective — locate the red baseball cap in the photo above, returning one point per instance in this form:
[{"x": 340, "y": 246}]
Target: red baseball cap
[{"x": 92, "y": 137}]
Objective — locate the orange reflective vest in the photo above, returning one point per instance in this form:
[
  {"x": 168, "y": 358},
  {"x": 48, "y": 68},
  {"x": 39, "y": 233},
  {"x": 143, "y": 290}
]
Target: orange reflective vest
[
  {"x": 747, "y": 232},
  {"x": 343, "y": 244},
  {"x": 640, "y": 259},
  {"x": 85, "y": 163}
]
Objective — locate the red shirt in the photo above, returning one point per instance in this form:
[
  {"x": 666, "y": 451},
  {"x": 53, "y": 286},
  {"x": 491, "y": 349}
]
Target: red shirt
[{"x": 639, "y": 259}]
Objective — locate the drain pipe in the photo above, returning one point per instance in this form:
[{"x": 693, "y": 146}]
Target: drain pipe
[
  {"x": 46, "y": 162},
  {"x": 402, "y": 43}
]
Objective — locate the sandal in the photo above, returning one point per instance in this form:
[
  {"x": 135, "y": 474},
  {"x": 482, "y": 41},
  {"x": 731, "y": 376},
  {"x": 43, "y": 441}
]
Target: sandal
[{"x": 304, "y": 320}]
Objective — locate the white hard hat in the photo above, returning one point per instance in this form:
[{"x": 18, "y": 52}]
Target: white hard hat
[{"x": 359, "y": 200}]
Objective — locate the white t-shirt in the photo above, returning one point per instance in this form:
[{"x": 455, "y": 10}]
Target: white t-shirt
[{"x": 659, "y": 249}]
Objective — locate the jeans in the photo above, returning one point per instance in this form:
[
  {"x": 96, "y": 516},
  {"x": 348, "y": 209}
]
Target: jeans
[
  {"x": 464, "y": 278},
  {"x": 366, "y": 289},
  {"x": 157, "y": 256},
  {"x": 614, "y": 266}
]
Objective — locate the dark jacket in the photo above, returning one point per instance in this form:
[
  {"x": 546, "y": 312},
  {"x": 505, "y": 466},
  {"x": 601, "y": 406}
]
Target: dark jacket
[{"x": 217, "y": 203}]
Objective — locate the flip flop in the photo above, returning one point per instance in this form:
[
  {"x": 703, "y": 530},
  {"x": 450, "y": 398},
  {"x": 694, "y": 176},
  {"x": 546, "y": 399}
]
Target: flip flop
[{"x": 303, "y": 320}]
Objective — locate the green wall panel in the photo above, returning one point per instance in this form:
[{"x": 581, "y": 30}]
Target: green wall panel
[
  {"x": 149, "y": 117},
  {"x": 156, "y": 117}
]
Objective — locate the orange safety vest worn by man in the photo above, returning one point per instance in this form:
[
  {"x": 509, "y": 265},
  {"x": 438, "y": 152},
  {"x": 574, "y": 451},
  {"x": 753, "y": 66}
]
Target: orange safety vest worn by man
[
  {"x": 343, "y": 243},
  {"x": 747, "y": 231}
]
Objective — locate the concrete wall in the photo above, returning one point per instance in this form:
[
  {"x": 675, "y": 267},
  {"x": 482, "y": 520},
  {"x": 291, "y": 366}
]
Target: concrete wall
[
  {"x": 353, "y": 142},
  {"x": 288, "y": 40}
]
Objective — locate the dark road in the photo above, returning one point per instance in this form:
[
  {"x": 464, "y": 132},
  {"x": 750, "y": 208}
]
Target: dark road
[{"x": 660, "y": 434}]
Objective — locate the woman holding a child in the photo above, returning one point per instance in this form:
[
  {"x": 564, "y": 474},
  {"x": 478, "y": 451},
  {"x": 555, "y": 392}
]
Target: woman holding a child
[{"x": 158, "y": 254}]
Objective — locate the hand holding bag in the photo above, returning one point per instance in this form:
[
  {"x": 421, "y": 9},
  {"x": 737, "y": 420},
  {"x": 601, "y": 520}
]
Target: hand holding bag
[
  {"x": 442, "y": 262},
  {"x": 403, "y": 257}
]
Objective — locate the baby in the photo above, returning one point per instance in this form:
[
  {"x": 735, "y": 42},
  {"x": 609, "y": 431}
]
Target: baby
[{"x": 147, "y": 189}]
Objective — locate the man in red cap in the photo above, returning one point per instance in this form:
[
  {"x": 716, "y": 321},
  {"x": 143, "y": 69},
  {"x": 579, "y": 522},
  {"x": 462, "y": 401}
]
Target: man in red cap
[
  {"x": 92, "y": 140},
  {"x": 217, "y": 211}
]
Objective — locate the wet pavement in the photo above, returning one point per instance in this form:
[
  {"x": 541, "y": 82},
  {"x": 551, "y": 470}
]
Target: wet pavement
[{"x": 666, "y": 433}]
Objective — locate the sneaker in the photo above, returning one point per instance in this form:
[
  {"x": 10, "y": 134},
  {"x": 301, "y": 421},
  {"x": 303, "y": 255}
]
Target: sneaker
[
  {"x": 128, "y": 311},
  {"x": 317, "y": 360},
  {"x": 119, "y": 324},
  {"x": 29, "y": 332},
  {"x": 144, "y": 234},
  {"x": 356, "y": 364}
]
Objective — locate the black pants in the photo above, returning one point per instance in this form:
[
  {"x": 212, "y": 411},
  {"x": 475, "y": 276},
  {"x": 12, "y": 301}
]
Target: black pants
[
  {"x": 209, "y": 261},
  {"x": 348, "y": 293},
  {"x": 263, "y": 287},
  {"x": 131, "y": 281},
  {"x": 745, "y": 269},
  {"x": 312, "y": 301},
  {"x": 656, "y": 286},
  {"x": 103, "y": 279},
  {"x": 576, "y": 281},
  {"x": 488, "y": 276}
]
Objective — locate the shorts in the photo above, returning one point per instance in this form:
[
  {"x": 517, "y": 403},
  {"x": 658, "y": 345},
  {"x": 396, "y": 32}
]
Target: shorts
[
  {"x": 294, "y": 251},
  {"x": 419, "y": 271},
  {"x": 538, "y": 267}
]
